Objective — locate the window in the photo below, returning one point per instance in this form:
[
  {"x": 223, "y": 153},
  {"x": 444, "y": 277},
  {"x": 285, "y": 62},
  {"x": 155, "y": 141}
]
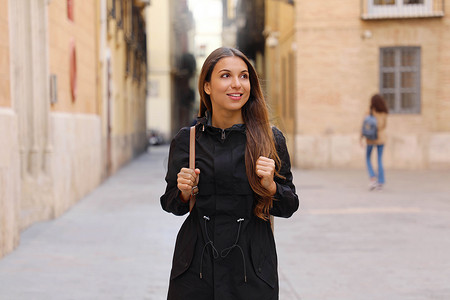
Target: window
[
  {"x": 399, "y": 7},
  {"x": 393, "y": 2},
  {"x": 380, "y": 9},
  {"x": 400, "y": 78}
]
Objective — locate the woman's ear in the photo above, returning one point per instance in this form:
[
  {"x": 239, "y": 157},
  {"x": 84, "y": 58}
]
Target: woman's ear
[{"x": 207, "y": 88}]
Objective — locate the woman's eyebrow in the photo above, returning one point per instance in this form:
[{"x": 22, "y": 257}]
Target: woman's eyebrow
[{"x": 226, "y": 70}]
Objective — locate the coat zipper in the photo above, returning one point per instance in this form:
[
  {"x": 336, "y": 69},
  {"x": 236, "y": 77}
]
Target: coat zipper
[{"x": 223, "y": 134}]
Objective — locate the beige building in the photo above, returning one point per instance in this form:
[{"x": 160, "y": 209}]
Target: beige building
[
  {"x": 172, "y": 65},
  {"x": 208, "y": 35},
  {"x": 280, "y": 69},
  {"x": 159, "y": 68},
  {"x": 122, "y": 80},
  {"x": 9, "y": 148},
  {"x": 345, "y": 52},
  {"x": 54, "y": 91}
]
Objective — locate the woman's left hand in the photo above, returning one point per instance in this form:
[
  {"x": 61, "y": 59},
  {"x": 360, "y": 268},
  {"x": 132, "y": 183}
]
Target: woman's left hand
[{"x": 265, "y": 169}]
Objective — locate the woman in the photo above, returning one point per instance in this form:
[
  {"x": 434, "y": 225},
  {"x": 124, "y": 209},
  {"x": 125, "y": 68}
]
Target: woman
[
  {"x": 379, "y": 110},
  {"x": 225, "y": 249}
]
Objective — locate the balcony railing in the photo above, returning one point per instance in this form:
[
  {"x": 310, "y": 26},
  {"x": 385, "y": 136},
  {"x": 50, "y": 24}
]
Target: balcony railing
[{"x": 398, "y": 9}]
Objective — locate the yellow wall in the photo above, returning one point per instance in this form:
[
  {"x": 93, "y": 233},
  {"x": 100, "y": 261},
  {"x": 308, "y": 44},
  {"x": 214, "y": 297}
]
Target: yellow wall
[
  {"x": 128, "y": 100},
  {"x": 51, "y": 160},
  {"x": 280, "y": 67},
  {"x": 83, "y": 30},
  {"x": 159, "y": 96},
  {"x": 5, "y": 95}
]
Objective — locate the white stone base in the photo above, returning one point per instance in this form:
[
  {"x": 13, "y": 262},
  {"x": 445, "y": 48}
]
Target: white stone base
[
  {"x": 425, "y": 151},
  {"x": 76, "y": 159},
  {"x": 9, "y": 182},
  {"x": 439, "y": 151}
]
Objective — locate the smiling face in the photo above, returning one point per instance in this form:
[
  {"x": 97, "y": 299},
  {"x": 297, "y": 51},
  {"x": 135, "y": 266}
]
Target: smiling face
[{"x": 229, "y": 87}]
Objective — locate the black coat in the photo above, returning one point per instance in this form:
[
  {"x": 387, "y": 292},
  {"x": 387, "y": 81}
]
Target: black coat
[{"x": 223, "y": 251}]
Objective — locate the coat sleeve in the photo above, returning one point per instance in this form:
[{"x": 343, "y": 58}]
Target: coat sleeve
[
  {"x": 285, "y": 199},
  {"x": 178, "y": 158}
]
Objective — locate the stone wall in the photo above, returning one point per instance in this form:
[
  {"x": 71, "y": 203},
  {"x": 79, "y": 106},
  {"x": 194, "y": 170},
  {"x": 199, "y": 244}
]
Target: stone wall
[
  {"x": 9, "y": 182},
  {"x": 76, "y": 161},
  {"x": 415, "y": 151},
  {"x": 52, "y": 155},
  {"x": 5, "y": 97}
]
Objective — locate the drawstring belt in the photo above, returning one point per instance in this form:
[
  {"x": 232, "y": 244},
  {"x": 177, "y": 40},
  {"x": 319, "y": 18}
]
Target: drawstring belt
[
  {"x": 224, "y": 253},
  {"x": 215, "y": 252}
]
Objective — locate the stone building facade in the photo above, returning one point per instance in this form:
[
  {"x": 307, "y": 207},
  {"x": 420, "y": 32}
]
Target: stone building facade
[
  {"x": 122, "y": 80},
  {"x": 172, "y": 68},
  {"x": 159, "y": 69},
  {"x": 9, "y": 148},
  {"x": 280, "y": 68},
  {"x": 54, "y": 148},
  {"x": 348, "y": 50},
  {"x": 323, "y": 61}
]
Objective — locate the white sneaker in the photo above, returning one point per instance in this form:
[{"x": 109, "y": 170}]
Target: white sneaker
[{"x": 373, "y": 185}]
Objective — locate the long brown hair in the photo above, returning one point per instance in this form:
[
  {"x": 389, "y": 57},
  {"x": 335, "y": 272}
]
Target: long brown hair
[
  {"x": 260, "y": 141},
  {"x": 378, "y": 104}
]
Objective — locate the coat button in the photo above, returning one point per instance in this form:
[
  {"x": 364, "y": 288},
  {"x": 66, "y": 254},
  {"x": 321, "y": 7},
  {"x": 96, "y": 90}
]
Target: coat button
[{"x": 259, "y": 269}]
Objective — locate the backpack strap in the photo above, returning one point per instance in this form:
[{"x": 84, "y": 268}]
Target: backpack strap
[{"x": 192, "y": 161}]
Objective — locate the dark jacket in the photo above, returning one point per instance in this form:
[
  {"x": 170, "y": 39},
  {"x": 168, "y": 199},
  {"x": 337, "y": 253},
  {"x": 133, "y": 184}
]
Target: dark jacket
[{"x": 223, "y": 251}]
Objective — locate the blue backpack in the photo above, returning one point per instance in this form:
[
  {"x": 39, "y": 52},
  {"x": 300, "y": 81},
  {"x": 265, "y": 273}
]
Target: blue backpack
[{"x": 369, "y": 128}]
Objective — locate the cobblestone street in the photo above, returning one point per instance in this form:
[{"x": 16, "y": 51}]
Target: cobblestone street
[{"x": 344, "y": 243}]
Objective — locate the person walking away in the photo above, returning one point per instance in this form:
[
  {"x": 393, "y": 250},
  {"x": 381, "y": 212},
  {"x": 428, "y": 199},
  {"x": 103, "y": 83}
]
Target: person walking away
[
  {"x": 378, "y": 109},
  {"x": 225, "y": 248}
]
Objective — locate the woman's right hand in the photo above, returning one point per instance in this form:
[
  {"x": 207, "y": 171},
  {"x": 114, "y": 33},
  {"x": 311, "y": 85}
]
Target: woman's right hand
[
  {"x": 361, "y": 141},
  {"x": 187, "y": 179}
]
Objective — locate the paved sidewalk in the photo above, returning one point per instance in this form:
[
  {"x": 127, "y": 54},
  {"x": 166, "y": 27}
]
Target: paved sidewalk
[{"x": 346, "y": 242}]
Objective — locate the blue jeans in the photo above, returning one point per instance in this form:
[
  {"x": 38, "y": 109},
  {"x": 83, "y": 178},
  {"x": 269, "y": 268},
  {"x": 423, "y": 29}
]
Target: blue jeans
[{"x": 380, "y": 163}]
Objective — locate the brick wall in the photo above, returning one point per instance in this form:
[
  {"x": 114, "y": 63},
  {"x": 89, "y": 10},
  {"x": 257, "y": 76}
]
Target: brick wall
[{"x": 338, "y": 72}]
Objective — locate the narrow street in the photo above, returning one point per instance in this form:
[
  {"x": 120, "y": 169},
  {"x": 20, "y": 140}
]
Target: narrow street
[{"x": 345, "y": 243}]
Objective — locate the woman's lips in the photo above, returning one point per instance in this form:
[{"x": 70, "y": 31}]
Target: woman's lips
[{"x": 235, "y": 96}]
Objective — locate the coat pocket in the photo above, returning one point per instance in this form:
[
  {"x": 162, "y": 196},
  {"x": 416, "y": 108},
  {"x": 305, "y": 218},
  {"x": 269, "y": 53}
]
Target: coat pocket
[
  {"x": 184, "y": 248},
  {"x": 264, "y": 263}
]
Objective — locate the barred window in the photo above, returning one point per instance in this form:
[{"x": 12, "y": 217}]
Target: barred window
[
  {"x": 393, "y": 2},
  {"x": 399, "y": 6},
  {"x": 400, "y": 78},
  {"x": 381, "y": 9}
]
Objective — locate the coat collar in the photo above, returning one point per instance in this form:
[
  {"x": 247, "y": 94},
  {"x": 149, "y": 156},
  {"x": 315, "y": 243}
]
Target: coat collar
[{"x": 206, "y": 122}]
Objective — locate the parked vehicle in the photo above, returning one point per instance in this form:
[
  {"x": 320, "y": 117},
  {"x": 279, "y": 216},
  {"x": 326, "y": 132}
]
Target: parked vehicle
[{"x": 154, "y": 137}]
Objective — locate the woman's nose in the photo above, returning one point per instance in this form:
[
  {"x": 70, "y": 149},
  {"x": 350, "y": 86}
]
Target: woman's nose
[{"x": 235, "y": 82}]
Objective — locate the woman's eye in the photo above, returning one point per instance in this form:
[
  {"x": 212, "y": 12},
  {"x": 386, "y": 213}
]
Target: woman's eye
[
  {"x": 245, "y": 76},
  {"x": 225, "y": 75}
]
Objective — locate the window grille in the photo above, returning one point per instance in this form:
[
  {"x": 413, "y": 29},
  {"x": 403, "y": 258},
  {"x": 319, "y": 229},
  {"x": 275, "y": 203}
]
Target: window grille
[
  {"x": 400, "y": 78},
  {"x": 387, "y": 9}
]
